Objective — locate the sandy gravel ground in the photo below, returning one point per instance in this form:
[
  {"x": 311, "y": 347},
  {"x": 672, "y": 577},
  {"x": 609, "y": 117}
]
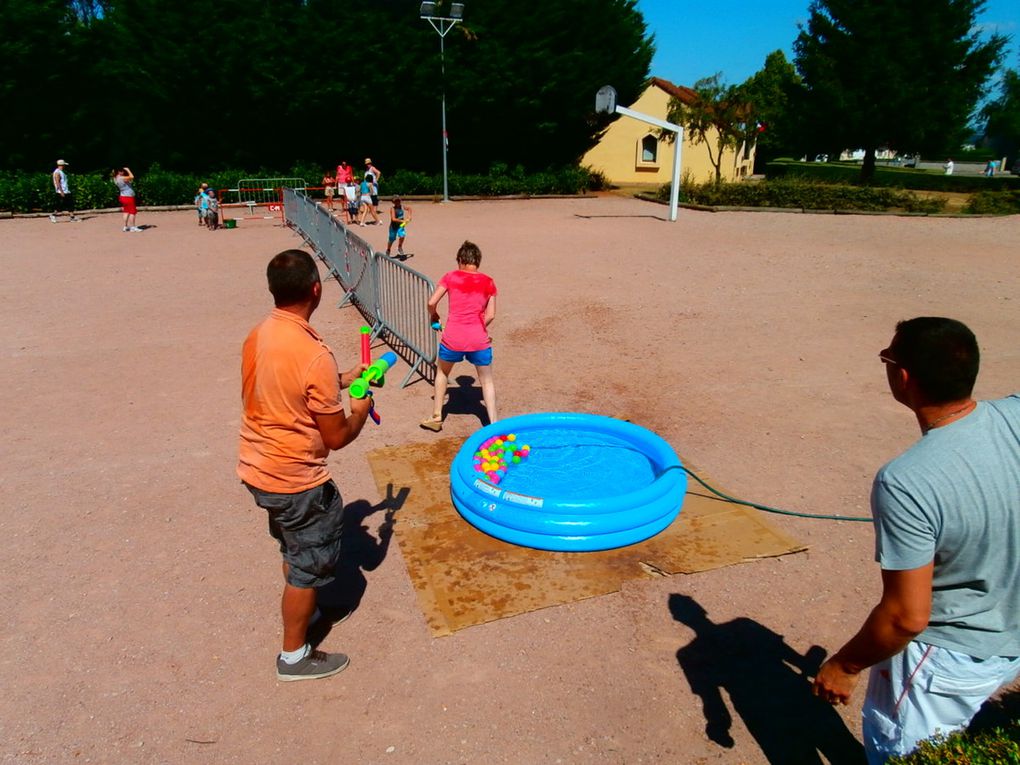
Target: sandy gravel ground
[{"x": 141, "y": 588}]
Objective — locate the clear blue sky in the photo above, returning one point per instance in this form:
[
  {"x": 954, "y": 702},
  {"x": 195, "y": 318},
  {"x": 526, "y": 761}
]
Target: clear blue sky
[{"x": 697, "y": 38}]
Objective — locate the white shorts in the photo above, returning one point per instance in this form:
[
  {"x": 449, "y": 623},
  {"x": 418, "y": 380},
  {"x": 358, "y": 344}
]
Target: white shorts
[{"x": 923, "y": 690}]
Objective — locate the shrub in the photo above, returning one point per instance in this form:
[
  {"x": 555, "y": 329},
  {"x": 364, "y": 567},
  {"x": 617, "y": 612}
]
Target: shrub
[
  {"x": 998, "y": 746},
  {"x": 994, "y": 203},
  {"x": 894, "y": 177},
  {"x": 162, "y": 187},
  {"x": 28, "y": 192},
  {"x": 803, "y": 194}
]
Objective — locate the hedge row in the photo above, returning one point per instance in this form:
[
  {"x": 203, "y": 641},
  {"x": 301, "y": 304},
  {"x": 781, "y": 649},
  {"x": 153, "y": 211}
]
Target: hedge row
[
  {"x": 995, "y": 203},
  {"x": 20, "y": 192},
  {"x": 893, "y": 177},
  {"x": 803, "y": 194}
]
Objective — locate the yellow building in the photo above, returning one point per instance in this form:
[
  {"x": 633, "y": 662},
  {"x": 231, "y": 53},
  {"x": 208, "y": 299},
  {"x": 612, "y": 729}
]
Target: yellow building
[{"x": 630, "y": 151}]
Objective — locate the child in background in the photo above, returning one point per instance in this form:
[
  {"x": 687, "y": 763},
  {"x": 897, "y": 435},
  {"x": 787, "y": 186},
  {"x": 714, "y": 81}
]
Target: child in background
[
  {"x": 471, "y": 310},
  {"x": 212, "y": 210},
  {"x": 350, "y": 201},
  {"x": 199, "y": 207},
  {"x": 367, "y": 190},
  {"x": 400, "y": 216},
  {"x": 329, "y": 188}
]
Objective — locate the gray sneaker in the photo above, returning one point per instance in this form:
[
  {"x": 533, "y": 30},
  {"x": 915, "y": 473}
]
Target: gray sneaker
[{"x": 315, "y": 665}]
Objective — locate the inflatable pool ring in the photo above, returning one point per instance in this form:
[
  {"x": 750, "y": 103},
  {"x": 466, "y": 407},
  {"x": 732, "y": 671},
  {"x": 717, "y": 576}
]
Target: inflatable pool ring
[{"x": 587, "y": 482}]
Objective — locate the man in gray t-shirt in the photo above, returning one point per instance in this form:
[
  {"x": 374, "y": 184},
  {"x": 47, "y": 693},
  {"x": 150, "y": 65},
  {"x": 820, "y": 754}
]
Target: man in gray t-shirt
[{"x": 946, "y": 633}]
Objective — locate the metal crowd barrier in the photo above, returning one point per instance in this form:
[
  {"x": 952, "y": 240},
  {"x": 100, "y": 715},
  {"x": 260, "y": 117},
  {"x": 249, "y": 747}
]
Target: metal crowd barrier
[{"x": 390, "y": 296}]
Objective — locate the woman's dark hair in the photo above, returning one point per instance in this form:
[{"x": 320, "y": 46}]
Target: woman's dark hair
[
  {"x": 291, "y": 275},
  {"x": 941, "y": 354}
]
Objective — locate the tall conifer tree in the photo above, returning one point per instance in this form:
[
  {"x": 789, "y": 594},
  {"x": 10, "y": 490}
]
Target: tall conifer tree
[{"x": 905, "y": 74}]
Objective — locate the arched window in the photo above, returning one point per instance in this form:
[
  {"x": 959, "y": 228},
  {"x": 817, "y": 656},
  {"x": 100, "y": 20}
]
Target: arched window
[{"x": 649, "y": 148}]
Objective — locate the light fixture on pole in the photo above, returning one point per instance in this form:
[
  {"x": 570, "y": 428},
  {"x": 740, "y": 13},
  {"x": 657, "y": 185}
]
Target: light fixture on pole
[{"x": 443, "y": 24}]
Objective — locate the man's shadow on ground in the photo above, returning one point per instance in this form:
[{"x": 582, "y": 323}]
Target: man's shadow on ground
[
  {"x": 466, "y": 398},
  {"x": 767, "y": 684},
  {"x": 360, "y": 551}
]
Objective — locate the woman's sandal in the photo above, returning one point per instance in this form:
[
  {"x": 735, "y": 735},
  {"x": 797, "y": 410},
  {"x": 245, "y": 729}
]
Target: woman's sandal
[{"x": 433, "y": 423}]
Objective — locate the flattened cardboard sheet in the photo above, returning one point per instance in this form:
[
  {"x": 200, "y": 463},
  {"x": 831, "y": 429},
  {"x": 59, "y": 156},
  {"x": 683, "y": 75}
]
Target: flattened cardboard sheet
[{"x": 464, "y": 577}]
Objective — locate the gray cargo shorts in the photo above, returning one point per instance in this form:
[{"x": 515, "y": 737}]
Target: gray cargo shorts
[{"x": 308, "y": 525}]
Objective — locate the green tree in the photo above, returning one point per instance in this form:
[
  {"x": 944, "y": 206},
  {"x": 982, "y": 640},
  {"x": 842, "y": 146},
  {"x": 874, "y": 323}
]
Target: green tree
[
  {"x": 39, "y": 55},
  {"x": 1002, "y": 116},
  {"x": 717, "y": 115},
  {"x": 773, "y": 93},
  {"x": 521, "y": 89},
  {"x": 199, "y": 86},
  {"x": 904, "y": 74}
]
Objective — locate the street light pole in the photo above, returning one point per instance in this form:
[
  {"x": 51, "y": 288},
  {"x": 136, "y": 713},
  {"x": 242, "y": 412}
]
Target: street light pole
[{"x": 442, "y": 25}]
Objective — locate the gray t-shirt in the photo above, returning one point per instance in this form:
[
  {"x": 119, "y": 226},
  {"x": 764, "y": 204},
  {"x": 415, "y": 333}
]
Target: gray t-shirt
[
  {"x": 954, "y": 497},
  {"x": 123, "y": 186}
]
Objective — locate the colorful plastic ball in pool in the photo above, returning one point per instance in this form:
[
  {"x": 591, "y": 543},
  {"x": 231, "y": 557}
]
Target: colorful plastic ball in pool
[
  {"x": 511, "y": 437},
  {"x": 517, "y": 460}
]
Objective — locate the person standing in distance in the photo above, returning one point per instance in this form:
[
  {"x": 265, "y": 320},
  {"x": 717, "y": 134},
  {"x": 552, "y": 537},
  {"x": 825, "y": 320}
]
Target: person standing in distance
[
  {"x": 292, "y": 417},
  {"x": 123, "y": 178},
  {"x": 65, "y": 200},
  {"x": 377, "y": 179},
  {"x": 945, "y": 634}
]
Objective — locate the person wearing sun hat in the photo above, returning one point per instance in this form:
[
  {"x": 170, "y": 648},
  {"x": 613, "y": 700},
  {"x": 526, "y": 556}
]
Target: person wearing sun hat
[{"x": 65, "y": 200}]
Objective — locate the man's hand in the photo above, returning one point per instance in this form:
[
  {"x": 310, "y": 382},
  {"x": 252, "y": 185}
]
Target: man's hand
[
  {"x": 360, "y": 406},
  {"x": 352, "y": 374},
  {"x": 835, "y": 682}
]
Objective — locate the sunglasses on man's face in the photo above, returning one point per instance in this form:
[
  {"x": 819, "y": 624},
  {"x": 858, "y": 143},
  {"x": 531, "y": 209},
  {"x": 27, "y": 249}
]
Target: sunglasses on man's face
[{"x": 886, "y": 358}]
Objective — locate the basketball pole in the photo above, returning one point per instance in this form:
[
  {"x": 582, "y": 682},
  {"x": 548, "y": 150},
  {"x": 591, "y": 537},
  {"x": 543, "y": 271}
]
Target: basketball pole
[{"x": 605, "y": 101}]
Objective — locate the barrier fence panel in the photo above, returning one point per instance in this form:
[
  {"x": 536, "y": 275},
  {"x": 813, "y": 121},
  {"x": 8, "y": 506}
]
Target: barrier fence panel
[
  {"x": 403, "y": 312},
  {"x": 265, "y": 192},
  {"x": 391, "y": 296},
  {"x": 361, "y": 288}
]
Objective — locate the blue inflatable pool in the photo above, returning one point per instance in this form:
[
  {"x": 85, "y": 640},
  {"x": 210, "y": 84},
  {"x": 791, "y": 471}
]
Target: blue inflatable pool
[{"x": 582, "y": 482}]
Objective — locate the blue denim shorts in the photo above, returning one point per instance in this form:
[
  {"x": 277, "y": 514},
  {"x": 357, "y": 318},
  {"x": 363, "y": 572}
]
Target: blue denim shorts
[
  {"x": 482, "y": 358},
  {"x": 308, "y": 525}
]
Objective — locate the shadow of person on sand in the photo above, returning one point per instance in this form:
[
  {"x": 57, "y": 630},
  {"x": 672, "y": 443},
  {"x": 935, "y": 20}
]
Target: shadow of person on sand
[
  {"x": 767, "y": 685},
  {"x": 360, "y": 551},
  {"x": 465, "y": 398}
]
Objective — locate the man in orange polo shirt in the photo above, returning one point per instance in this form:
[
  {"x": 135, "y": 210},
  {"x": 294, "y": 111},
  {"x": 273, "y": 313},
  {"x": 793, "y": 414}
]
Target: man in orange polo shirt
[{"x": 292, "y": 418}]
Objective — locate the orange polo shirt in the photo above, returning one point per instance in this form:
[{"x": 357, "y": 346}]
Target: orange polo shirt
[{"x": 287, "y": 374}]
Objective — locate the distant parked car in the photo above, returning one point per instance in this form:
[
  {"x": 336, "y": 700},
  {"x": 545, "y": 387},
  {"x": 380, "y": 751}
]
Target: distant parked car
[{"x": 910, "y": 160}]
